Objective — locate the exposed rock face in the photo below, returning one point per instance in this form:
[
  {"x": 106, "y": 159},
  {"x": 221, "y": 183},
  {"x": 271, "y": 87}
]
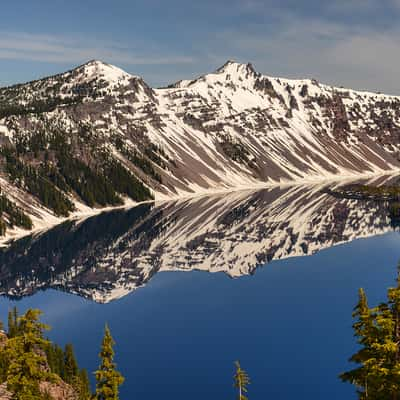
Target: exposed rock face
[
  {"x": 3, "y": 339},
  {"x": 4, "y": 393},
  {"x": 59, "y": 390},
  {"x": 229, "y": 129}
]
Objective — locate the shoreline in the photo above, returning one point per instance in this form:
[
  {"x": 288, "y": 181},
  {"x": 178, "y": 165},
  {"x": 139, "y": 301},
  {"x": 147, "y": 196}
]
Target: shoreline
[{"x": 85, "y": 212}]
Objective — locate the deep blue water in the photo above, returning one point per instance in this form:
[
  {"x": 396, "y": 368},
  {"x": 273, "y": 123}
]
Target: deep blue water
[{"x": 289, "y": 325}]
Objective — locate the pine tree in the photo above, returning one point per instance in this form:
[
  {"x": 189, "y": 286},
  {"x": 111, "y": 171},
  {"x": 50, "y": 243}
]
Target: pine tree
[
  {"x": 51, "y": 357},
  {"x": 55, "y": 359},
  {"x": 241, "y": 381},
  {"x": 59, "y": 361},
  {"x": 12, "y": 322},
  {"x": 11, "y": 328},
  {"x": 108, "y": 379},
  {"x": 3, "y": 358},
  {"x": 70, "y": 364},
  {"x": 84, "y": 385},
  {"x": 3, "y": 366},
  {"x": 27, "y": 360},
  {"x": 364, "y": 331},
  {"x": 378, "y": 332},
  {"x": 394, "y": 365}
]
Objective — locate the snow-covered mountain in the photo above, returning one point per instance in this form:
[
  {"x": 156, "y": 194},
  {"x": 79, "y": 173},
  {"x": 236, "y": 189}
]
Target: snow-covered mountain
[
  {"x": 96, "y": 134},
  {"x": 107, "y": 256}
]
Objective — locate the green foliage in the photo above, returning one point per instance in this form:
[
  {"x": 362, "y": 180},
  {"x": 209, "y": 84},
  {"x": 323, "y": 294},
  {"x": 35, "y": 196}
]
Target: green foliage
[
  {"x": 44, "y": 164},
  {"x": 3, "y": 227},
  {"x": 108, "y": 379},
  {"x": 124, "y": 182},
  {"x": 364, "y": 192},
  {"x": 31, "y": 179},
  {"x": 27, "y": 359},
  {"x": 3, "y": 366},
  {"x": 55, "y": 359},
  {"x": 84, "y": 385},
  {"x": 93, "y": 188},
  {"x": 395, "y": 209},
  {"x": 27, "y": 364},
  {"x": 241, "y": 381},
  {"x": 386, "y": 191},
  {"x": 13, "y": 323},
  {"x": 144, "y": 162},
  {"x": 236, "y": 150},
  {"x": 34, "y": 107},
  {"x": 51, "y": 161},
  {"x": 63, "y": 363},
  {"x": 378, "y": 333},
  {"x": 154, "y": 153},
  {"x": 394, "y": 213},
  {"x": 389, "y": 195},
  {"x": 15, "y": 216},
  {"x": 70, "y": 364}
]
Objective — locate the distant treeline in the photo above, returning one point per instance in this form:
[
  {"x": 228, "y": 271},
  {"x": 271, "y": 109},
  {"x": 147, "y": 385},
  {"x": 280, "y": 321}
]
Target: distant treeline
[
  {"x": 57, "y": 174},
  {"x": 387, "y": 194},
  {"x": 12, "y": 215}
]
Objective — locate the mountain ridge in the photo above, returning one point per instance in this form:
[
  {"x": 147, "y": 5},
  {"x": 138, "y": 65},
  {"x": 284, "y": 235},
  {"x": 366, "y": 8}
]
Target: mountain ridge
[
  {"x": 229, "y": 62},
  {"x": 96, "y": 135}
]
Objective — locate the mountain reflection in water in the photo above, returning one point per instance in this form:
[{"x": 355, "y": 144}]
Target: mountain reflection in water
[{"x": 109, "y": 255}]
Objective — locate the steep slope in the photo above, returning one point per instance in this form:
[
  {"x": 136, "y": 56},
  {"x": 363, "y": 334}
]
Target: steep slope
[
  {"x": 106, "y": 257},
  {"x": 97, "y": 135},
  {"x": 279, "y": 129}
]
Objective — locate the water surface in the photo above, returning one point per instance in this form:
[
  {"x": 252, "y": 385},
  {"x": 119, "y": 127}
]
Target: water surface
[{"x": 178, "y": 327}]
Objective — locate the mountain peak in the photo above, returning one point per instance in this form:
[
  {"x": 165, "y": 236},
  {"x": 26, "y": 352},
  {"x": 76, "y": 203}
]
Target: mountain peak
[
  {"x": 231, "y": 71},
  {"x": 234, "y": 67},
  {"x": 228, "y": 64},
  {"x": 94, "y": 62},
  {"x": 98, "y": 68}
]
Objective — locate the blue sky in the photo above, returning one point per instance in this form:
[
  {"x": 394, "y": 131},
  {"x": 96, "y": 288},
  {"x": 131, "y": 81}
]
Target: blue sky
[{"x": 353, "y": 43}]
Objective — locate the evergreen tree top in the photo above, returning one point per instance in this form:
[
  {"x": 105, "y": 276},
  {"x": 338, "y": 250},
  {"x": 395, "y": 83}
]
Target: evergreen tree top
[
  {"x": 107, "y": 377},
  {"x": 377, "y": 329},
  {"x": 241, "y": 381}
]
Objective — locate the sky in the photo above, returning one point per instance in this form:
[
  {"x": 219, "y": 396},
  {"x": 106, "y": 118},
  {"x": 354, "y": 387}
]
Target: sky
[{"x": 351, "y": 43}]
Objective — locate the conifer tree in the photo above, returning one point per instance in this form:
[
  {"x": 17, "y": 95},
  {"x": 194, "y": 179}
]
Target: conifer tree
[
  {"x": 10, "y": 325},
  {"x": 377, "y": 331},
  {"x": 55, "y": 359},
  {"x": 241, "y": 381},
  {"x": 70, "y": 364},
  {"x": 3, "y": 360},
  {"x": 59, "y": 360},
  {"x": 84, "y": 385},
  {"x": 27, "y": 361},
  {"x": 51, "y": 357},
  {"x": 12, "y": 322},
  {"x": 108, "y": 379}
]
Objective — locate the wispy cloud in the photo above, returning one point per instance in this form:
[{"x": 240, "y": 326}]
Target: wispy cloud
[
  {"x": 30, "y": 47},
  {"x": 357, "y": 56},
  {"x": 344, "y": 42}
]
